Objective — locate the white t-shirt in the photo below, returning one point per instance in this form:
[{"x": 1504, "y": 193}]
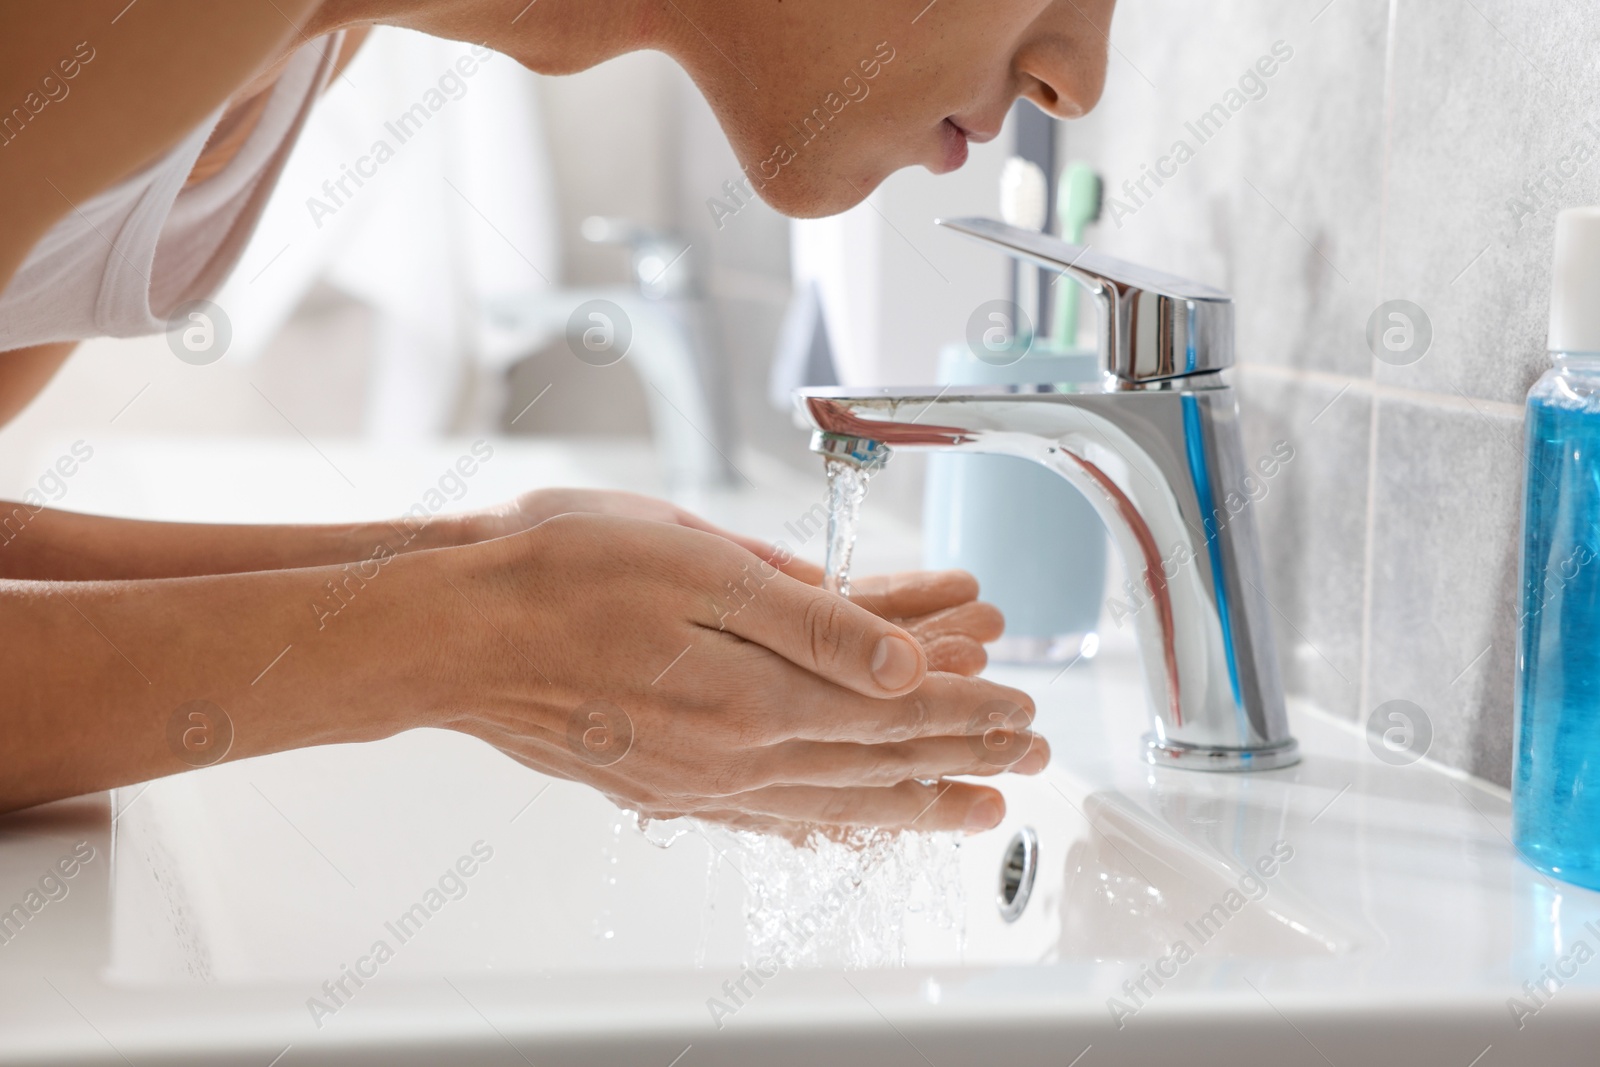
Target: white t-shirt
[{"x": 120, "y": 262}]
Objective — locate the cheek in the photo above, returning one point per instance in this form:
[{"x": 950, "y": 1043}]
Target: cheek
[{"x": 891, "y": 120}]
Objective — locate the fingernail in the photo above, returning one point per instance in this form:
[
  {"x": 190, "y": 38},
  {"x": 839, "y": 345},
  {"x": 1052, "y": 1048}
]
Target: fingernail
[
  {"x": 894, "y": 662},
  {"x": 984, "y": 815}
]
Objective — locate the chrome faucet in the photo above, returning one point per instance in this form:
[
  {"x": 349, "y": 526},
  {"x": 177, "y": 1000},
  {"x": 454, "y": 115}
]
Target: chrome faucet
[{"x": 1155, "y": 447}]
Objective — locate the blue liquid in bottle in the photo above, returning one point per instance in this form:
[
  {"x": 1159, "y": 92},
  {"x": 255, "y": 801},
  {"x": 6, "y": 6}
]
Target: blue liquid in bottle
[{"x": 1556, "y": 780}]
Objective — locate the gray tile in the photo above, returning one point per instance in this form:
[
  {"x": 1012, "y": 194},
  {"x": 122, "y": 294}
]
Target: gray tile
[
  {"x": 1312, "y": 526},
  {"x": 1487, "y": 96},
  {"x": 1372, "y": 169},
  {"x": 1306, "y": 227},
  {"x": 1446, "y": 508},
  {"x": 1281, "y": 206},
  {"x": 1167, "y": 55}
]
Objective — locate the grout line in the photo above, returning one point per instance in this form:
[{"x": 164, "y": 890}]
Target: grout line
[
  {"x": 1325, "y": 377},
  {"x": 1459, "y": 402},
  {"x": 1301, "y": 705},
  {"x": 1392, "y": 35},
  {"x": 1368, "y": 560},
  {"x": 1363, "y": 683},
  {"x": 1455, "y": 401}
]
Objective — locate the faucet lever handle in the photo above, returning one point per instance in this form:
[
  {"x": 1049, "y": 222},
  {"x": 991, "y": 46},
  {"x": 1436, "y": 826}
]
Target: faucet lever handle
[{"x": 1152, "y": 325}]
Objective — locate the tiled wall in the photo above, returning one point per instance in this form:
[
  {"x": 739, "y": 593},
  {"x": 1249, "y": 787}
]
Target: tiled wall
[{"x": 1380, "y": 164}]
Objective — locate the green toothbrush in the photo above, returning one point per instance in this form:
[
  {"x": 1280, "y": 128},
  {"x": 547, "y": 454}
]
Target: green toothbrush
[{"x": 1078, "y": 198}]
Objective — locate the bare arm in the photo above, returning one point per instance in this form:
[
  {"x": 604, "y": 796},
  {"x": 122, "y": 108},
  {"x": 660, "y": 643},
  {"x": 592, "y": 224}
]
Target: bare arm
[
  {"x": 94, "y": 672},
  {"x": 24, "y": 372},
  {"x": 787, "y": 709},
  {"x": 39, "y": 544}
]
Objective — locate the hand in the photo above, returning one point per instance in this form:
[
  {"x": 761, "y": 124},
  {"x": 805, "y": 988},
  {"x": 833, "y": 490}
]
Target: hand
[
  {"x": 940, "y": 609},
  {"x": 530, "y": 509},
  {"x": 678, "y": 674}
]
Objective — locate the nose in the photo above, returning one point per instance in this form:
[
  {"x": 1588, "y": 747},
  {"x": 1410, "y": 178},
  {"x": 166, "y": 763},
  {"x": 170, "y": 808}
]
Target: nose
[{"x": 1062, "y": 62}]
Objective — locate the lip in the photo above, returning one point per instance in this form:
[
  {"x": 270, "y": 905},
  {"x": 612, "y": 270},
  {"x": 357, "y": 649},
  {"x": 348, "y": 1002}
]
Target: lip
[
  {"x": 953, "y": 147},
  {"x": 974, "y": 135},
  {"x": 955, "y": 138}
]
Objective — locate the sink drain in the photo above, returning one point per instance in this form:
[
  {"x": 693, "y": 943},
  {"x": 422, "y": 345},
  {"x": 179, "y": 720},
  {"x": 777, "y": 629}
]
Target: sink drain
[{"x": 1017, "y": 868}]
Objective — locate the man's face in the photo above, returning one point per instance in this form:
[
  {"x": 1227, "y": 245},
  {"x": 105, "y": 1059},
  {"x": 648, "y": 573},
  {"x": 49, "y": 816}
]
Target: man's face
[{"x": 823, "y": 99}]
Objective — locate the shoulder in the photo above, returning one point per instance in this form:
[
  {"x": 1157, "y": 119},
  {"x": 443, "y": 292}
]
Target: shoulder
[{"x": 93, "y": 90}]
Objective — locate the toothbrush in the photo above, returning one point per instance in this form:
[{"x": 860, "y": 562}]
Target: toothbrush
[
  {"x": 1025, "y": 204},
  {"x": 1078, "y": 200}
]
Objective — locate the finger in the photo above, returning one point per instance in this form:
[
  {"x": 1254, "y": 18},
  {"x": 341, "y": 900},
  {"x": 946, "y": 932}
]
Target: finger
[
  {"x": 975, "y": 619},
  {"x": 800, "y": 707},
  {"x": 945, "y": 705},
  {"x": 907, "y": 806},
  {"x": 829, "y": 637},
  {"x": 831, "y": 764},
  {"x": 913, "y": 593},
  {"x": 954, "y": 655}
]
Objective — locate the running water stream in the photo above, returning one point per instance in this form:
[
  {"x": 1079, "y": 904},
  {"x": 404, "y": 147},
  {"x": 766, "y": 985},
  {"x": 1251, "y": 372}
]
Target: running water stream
[{"x": 847, "y": 487}]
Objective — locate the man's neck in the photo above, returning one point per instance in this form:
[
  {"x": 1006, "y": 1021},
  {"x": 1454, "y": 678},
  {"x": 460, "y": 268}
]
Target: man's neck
[{"x": 549, "y": 36}]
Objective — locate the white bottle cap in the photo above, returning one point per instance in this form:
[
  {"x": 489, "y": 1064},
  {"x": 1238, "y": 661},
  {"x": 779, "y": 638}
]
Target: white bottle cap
[{"x": 1575, "y": 286}]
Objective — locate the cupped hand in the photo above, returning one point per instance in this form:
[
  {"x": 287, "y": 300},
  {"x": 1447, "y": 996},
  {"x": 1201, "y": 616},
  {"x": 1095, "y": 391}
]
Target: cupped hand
[{"x": 681, "y": 675}]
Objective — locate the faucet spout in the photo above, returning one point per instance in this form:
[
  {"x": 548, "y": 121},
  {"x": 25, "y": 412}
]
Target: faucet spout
[
  {"x": 856, "y": 451},
  {"x": 1159, "y": 456},
  {"x": 1158, "y": 467}
]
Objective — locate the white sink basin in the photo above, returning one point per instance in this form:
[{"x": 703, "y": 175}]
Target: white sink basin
[
  {"x": 1392, "y": 926},
  {"x": 283, "y": 869}
]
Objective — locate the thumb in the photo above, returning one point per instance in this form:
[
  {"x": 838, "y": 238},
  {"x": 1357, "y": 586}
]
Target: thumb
[{"x": 827, "y": 635}]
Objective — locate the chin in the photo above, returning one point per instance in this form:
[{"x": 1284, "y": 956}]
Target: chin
[{"x": 817, "y": 192}]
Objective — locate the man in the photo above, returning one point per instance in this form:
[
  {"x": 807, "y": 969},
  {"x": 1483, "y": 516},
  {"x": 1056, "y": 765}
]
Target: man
[{"x": 140, "y": 144}]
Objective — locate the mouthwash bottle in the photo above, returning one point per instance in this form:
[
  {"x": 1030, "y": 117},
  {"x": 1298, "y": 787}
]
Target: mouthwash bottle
[{"x": 1556, "y": 780}]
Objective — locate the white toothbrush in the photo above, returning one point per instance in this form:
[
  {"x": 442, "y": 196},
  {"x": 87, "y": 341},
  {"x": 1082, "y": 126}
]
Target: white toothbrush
[{"x": 1025, "y": 204}]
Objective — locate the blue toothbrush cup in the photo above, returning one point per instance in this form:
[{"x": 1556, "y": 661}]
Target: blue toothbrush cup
[{"x": 989, "y": 515}]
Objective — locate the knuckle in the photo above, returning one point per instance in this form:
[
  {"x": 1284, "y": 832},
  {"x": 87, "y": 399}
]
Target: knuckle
[
  {"x": 988, "y": 622},
  {"x": 749, "y": 728},
  {"x": 1001, "y": 707},
  {"x": 824, "y": 620},
  {"x": 917, "y": 803},
  {"x": 724, "y": 777},
  {"x": 974, "y": 658},
  {"x": 956, "y": 655},
  {"x": 896, "y": 763},
  {"x": 915, "y": 715},
  {"x": 924, "y": 716}
]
